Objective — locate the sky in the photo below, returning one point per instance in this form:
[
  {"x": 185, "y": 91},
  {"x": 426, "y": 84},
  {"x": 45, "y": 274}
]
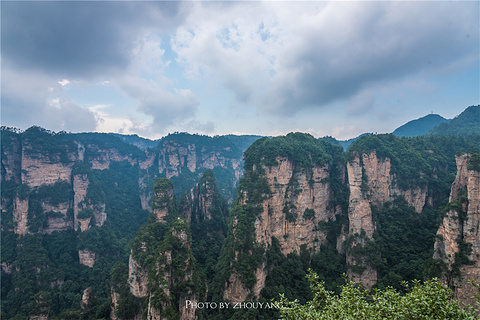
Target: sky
[{"x": 151, "y": 68}]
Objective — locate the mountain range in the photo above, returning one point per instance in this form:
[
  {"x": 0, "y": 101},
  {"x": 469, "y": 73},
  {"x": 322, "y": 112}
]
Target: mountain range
[{"x": 108, "y": 226}]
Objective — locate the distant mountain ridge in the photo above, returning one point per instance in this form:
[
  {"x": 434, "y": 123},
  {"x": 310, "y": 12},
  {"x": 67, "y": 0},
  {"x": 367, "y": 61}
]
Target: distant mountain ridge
[
  {"x": 420, "y": 126},
  {"x": 466, "y": 123}
]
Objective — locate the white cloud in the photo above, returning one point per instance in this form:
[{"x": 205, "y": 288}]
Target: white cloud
[
  {"x": 64, "y": 82},
  {"x": 157, "y": 96},
  {"x": 226, "y": 44},
  {"x": 346, "y": 132},
  {"x": 107, "y": 122}
]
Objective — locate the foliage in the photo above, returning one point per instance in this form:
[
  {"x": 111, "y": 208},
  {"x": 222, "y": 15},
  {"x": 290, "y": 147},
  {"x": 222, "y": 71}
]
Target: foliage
[
  {"x": 464, "y": 124},
  {"x": 85, "y": 214},
  {"x": 457, "y": 210},
  {"x": 22, "y": 191},
  {"x": 95, "y": 142},
  {"x": 243, "y": 244},
  {"x": 428, "y": 300},
  {"x": 48, "y": 264},
  {"x": 39, "y": 142},
  {"x": 253, "y": 187},
  {"x": 59, "y": 192},
  {"x": 403, "y": 243},
  {"x": 118, "y": 189},
  {"x": 474, "y": 162},
  {"x": 162, "y": 250},
  {"x": 241, "y": 254},
  {"x": 163, "y": 193},
  {"x": 217, "y": 143},
  {"x": 127, "y": 305},
  {"x": 203, "y": 148},
  {"x": 302, "y": 149},
  {"x": 243, "y": 141},
  {"x": 290, "y": 215},
  {"x": 308, "y": 214}
]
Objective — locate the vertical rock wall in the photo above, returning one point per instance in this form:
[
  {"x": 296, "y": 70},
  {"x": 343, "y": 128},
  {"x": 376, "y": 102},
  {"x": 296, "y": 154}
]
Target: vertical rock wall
[
  {"x": 299, "y": 199},
  {"x": 360, "y": 221},
  {"x": 459, "y": 233},
  {"x": 297, "y": 192},
  {"x": 80, "y": 185},
  {"x": 371, "y": 182},
  {"x": 20, "y": 216}
]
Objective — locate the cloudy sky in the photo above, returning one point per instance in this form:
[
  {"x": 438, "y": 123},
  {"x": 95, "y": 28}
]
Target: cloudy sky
[{"x": 268, "y": 68}]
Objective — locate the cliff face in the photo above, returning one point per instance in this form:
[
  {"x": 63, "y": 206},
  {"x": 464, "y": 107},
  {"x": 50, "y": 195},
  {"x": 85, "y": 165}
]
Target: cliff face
[
  {"x": 38, "y": 158},
  {"x": 175, "y": 157},
  {"x": 104, "y": 156},
  {"x": 40, "y": 170},
  {"x": 371, "y": 182},
  {"x": 60, "y": 221},
  {"x": 298, "y": 201},
  {"x": 86, "y": 257},
  {"x": 163, "y": 199},
  {"x": 288, "y": 198},
  {"x": 360, "y": 221},
  {"x": 20, "y": 216},
  {"x": 40, "y": 174},
  {"x": 137, "y": 278},
  {"x": 12, "y": 159},
  {"x": 458, "y": 237},
  {"x": 204, "y": 201},
  {"x": 182, "y": 155},
  {"x": 175, "y": 274}
]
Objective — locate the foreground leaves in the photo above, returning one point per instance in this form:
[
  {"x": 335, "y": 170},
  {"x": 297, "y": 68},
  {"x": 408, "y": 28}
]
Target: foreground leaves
[{"x": 428, "y": 300}]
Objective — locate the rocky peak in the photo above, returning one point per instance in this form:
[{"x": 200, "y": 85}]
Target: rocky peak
[
  {"x": 285, "y": 193},
  {"x": 162, "y": 199},
  {"x": 372, "y": 183},
  {"x": 87, "y": 299},
  {"x": 174, "y": 267},
  {"x": 360, "y": 217},
  {"x": 458, "y": 238},
  {"x": 200, "y": 202}
]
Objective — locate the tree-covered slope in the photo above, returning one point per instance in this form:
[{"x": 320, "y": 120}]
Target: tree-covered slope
[
  {"x": 419, "y": 126},
  {"x": 466, "y": 123}
]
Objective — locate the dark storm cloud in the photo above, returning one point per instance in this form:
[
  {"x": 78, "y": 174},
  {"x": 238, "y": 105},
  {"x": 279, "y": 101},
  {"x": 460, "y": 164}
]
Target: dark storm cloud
[{"x": 78, "y": 39}]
